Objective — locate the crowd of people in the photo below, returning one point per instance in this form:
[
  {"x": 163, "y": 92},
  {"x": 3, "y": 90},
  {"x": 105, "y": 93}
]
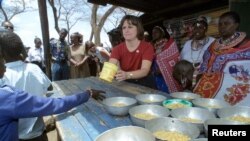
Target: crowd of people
[
  {"x": 213, "y": 68},
  {"x": 223, "y": 72}
]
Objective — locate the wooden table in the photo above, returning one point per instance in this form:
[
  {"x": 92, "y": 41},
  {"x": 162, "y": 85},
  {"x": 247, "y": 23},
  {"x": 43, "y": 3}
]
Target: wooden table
[{"x": 87, "y": 121}]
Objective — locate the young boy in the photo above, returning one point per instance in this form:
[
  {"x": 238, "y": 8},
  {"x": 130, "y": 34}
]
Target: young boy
[
  {"x": 15, "y": 104},
  {"x": 24, "y": 76}
]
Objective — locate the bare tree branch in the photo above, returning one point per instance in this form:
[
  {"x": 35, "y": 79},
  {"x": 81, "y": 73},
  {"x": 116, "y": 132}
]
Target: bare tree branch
[
  {"x": 94, "y": 15},
  {"x": 93, "y": 20},
  {"x": 4, "y": 13},
  {"x": 105, "y": 16},
  {"x": 96, "y": 27},
  {"x": 54, "y": 10},
  {"x": 75, "y": 22},
  {"x": 17, "y": 7},
  {"x": 66, "y": 13},
  {"x": 59, "y": 10}
]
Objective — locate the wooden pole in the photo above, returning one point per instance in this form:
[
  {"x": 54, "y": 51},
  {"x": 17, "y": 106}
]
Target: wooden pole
[{"x": 45, "y": 34}]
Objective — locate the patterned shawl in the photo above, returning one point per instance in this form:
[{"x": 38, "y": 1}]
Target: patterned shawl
[
  {"x": 166, "y": 61},
  {"x": 226, "y": 74}
]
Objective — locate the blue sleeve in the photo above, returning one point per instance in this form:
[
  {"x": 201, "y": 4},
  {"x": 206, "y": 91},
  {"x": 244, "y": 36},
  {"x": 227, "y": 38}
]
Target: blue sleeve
[{"x": 27, "y": 105}]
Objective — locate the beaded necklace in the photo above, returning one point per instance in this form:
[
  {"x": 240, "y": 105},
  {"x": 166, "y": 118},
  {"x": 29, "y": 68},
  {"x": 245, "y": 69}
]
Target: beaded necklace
[
  {"x": 194, "y": 78},
  {"x": 198, "y": 48},
  {"x": 159, "y": 45},
  {"x": 235, "y": 39},
  {"x": 229, "y": 40},
  {"x": 198, "y": 44},
  {"x": 195, "y": 46}
]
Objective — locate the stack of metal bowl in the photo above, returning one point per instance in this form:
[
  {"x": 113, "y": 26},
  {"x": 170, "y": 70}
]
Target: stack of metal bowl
[
  {"x": 119, "y": 106},
  {"x": 170, "y": 127},
  {"x": 194, "y": 115},
  {"x": 218, "y": 121},
  {"x": 140, "y": 114},
  {"x": 126, "y": 133},
  {"x": 211, "y": 104},
  {"x": 155, "y": 99},
  {"x": 185, "y": 95},
  {"x": 235, "y": 113}
]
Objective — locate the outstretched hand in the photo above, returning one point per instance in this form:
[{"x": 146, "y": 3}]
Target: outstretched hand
[{"x": 97, "y": 94}]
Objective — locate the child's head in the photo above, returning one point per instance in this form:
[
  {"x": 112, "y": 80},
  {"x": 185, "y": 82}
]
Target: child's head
[
  {"x": 10, "y": 45},
  {"x": 2, "y": 67},
  {"x": 183, "y": 73}
]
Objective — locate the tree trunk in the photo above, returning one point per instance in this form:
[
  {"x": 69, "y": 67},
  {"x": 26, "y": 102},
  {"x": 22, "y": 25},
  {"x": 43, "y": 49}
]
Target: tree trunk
[
  {"x": 97, "y": 27},
  {"x": 91, "y": 35},
  {"x": 93, "y": 21},
  {"x": 97, "y": 35}
]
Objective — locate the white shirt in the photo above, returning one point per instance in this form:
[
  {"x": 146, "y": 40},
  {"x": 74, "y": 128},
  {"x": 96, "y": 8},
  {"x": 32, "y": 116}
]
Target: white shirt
[
  {"x": 30, "y": 78},
  {"x": 36, "y": 54},
  {"x": 194, "y": 56}
]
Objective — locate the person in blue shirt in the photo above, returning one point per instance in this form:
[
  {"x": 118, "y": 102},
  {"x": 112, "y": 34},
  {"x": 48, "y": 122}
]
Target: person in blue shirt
[
  {"x": 59, "y": 50},
  {"x": 15, "y": 104}
]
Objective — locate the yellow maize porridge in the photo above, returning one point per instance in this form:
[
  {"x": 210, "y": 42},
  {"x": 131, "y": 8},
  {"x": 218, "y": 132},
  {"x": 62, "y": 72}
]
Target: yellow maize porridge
[
  {"x": 192, "y": 120},
  {"x": 118, "y": 104},
  {"x": 171, "y": 136},
  {"x": 240, "y": 119},
  {"x": 145, "y": 116},
  {"x": 175, "y": 105}
]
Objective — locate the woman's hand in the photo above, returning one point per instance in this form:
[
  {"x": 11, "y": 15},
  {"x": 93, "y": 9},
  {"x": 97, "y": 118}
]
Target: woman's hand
[
  {"x": 78, "y": 64},
  {"x": 121, "y": 75}
]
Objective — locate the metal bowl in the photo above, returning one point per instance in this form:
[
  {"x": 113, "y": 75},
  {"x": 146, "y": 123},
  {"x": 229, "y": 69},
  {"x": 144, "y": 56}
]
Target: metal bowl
[
  {"x": 172, "y": 124},
  {"x": 118, "y": 106},
  {"x": 176, "y": 103},
  {"x": 235, "y": 113},
  {"x": 150, "y": 99},
  {"x": 211, "y": 104},
  {"x": 218, "y": 121},
  {"x": 195, "y": 113},
  {"x": 126, "y": 133},
  {"x": 154, "y": 110},
  {"x": 185, "y": 95}
]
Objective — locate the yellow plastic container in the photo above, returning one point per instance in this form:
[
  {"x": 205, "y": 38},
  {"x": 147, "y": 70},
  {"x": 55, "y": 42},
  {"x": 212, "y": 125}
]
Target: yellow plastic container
[{"x": 108, "y": 72}]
